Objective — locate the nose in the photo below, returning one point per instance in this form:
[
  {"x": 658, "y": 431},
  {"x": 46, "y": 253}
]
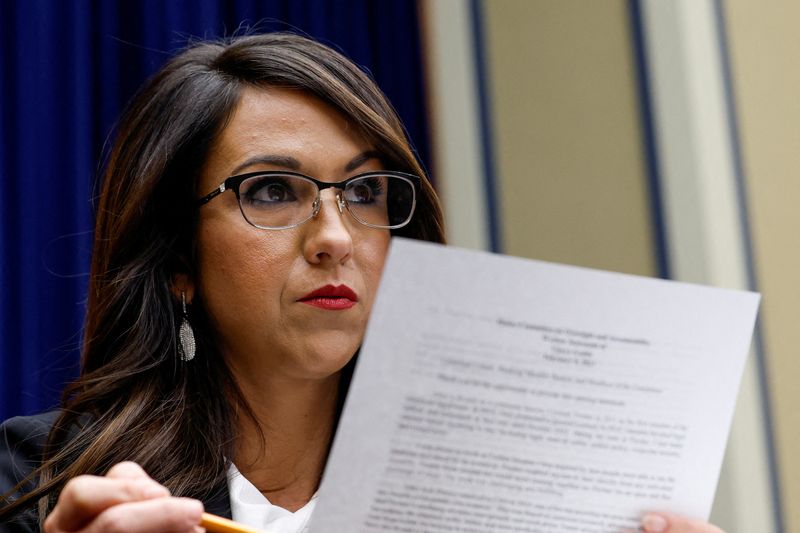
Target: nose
[{"x": 328, "y": 236}]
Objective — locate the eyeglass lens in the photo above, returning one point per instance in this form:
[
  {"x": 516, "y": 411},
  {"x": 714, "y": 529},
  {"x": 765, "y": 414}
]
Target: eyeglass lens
[{"x": 281, "y": 201}]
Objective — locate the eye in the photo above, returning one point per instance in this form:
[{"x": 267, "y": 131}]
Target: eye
[
  {"x": 270, "y": 191},
  {"x": 365, "y": 191}
]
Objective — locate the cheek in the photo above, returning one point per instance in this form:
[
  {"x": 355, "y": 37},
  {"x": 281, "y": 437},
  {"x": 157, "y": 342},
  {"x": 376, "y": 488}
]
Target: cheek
[
  {"x": 238, "y": 270},
  {"x": 375, "y": 256}
]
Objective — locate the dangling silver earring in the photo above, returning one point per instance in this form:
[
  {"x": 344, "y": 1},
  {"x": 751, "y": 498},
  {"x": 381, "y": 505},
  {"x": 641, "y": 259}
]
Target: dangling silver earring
[{"x": 185, "y": 334}]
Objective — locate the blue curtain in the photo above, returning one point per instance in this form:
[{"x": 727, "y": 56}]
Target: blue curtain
[{"x": 66, "y": 70}]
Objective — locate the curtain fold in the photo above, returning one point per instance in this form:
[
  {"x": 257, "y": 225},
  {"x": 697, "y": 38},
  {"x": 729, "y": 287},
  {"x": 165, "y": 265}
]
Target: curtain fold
[{"x": 66, "y": 71}]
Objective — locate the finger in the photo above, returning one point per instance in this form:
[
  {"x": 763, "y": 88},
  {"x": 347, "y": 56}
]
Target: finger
[
  {"x": 84, "y": 497},
  {"x": 167, "y": 515},
  {"x": 671, "y": 523},
  {"x": 131, "y": 470},
  {"x": 127, "y": 469}
]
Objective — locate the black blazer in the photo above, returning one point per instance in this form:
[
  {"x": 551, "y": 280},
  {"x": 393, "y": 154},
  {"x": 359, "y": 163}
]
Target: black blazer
[{"x": 22, "y": 441}]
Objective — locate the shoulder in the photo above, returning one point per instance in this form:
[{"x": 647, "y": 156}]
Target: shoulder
[
  {"x": 22, "y": 440},
  {"x": 25, "y": 435},
  {"x": 27, "y": 428}
]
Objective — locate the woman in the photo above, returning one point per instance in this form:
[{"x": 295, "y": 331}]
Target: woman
[{"x": 230, "y": 289}]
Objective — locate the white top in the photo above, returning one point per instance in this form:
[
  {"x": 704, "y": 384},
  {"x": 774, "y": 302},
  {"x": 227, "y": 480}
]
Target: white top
[{"x": 251, "y": 508}]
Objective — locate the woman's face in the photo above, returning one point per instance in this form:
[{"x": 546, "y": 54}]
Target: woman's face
[{"x": 255, "y": 283}]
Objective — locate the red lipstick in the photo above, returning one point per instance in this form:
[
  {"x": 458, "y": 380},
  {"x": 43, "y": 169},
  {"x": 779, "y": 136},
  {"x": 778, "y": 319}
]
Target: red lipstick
[{"x": 331, "y": 297}]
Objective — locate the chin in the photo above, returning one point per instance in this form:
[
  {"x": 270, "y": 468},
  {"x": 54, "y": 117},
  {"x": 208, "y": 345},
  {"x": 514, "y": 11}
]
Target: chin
[
  {"x": 327, "y": 366},
  {"x": 327, "y": 356}
]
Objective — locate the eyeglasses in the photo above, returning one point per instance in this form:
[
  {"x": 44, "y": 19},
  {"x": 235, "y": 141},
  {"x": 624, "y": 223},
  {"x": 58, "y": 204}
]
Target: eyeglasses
[{"x": 282, "y": 200}]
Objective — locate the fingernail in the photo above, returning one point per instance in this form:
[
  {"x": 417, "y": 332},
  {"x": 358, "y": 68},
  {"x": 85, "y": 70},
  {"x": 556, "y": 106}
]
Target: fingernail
[
  {"x": 149, "y": 489},
  {"x": 194, "y": 509},
  {"x": 154, "y": 491},
  {"x": 654, "y": 523}
]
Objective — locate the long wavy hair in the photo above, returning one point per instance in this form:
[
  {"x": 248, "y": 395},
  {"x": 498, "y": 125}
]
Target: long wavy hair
[{"x": 135, "y": 400}]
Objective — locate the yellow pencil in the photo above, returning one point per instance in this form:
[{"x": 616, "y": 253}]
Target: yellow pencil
[{"x": 217, "y": 524}]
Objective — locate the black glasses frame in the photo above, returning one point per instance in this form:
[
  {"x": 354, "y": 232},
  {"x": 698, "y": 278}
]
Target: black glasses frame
[{"x": 233, "y": 183}]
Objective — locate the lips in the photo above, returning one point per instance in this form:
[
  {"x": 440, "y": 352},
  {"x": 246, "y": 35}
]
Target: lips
[{"x": 331, "y": 297}]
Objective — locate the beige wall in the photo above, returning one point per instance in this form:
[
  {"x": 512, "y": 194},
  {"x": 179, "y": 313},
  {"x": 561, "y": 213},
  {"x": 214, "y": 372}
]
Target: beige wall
[
  {"x": 570, "y": 166},
  {"x": 567, "y": 137},
  {"x": 765, "y": 55},
  {"x": 573, "y": 187}
]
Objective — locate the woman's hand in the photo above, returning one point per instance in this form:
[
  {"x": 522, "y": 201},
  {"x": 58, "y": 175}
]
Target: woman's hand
[
  {"x": 670, "y": 523},
  {"x": 124, "y": 500}
]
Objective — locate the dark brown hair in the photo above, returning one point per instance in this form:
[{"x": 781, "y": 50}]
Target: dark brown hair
[{"x": 135, "y": 400}]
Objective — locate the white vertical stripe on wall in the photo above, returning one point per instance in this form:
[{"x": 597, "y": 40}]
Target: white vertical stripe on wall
[
  {"x": 705, "y": 239},
  {"x": 450, "y": 68}
]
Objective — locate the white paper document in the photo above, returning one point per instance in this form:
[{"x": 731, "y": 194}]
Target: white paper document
[{"x": 496, "y": 394}]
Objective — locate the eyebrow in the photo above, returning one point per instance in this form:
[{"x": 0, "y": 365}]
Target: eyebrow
[
  {"x": 291, "y": 163},
  {"x": 284, "y": 161},
  {"x": 362, "y": 158}
]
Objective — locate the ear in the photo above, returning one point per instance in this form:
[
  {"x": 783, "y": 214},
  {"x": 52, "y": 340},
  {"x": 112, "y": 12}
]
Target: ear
[{"x": 182, "y": 283}]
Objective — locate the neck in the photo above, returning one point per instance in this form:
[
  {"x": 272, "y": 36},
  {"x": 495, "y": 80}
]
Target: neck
[{"x": 296, "y": 419}]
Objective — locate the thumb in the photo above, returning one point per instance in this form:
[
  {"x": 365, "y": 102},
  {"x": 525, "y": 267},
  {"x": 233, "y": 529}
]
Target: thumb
[
  {"x": 131, "y": 470},
  {"x": 127, "y": 469},
  {"x": 671, "y": 523}
]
